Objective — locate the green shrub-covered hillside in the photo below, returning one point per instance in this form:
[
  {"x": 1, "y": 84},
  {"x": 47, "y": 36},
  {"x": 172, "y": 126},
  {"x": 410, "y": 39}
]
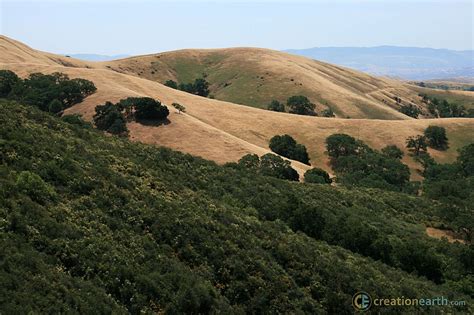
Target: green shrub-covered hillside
[{"x": 96, "y": 224}]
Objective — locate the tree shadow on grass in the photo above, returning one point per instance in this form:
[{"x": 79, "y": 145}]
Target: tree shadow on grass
[{"x": 154, "y": 122}]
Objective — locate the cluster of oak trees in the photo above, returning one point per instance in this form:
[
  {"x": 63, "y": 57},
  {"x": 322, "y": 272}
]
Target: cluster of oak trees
[
  {"x": 113, "y": 117},
  {"x": 353, "y": 161},
  {"x": 49, "y": 92},
  {"x": 300, "y": 105},
  {"x": 199, "y": 87}
]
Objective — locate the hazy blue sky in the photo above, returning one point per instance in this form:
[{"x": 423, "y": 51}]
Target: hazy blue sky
[{"x": 137, "y": 27}]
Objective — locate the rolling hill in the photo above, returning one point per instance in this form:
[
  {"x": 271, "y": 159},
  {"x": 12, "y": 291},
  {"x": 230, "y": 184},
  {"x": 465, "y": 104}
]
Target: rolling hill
[
  {"x": 224, "y": 131},
  {"x": 254, "y": 77}
]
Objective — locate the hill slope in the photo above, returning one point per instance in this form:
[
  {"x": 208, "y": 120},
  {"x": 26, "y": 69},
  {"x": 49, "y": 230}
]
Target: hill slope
[
  {"x": 92, "y": 223},
  {"x": 223, "y": 131},
  {"x": 254, "y": 77}
]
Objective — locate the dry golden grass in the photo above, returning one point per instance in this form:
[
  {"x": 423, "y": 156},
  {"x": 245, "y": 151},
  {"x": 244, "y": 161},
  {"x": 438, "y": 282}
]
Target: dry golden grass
[{"x": 223, "y": 131}]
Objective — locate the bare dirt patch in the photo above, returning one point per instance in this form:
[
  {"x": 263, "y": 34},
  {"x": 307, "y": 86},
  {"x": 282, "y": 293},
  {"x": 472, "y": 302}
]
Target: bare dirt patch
[{"x": 448, "y": 234}]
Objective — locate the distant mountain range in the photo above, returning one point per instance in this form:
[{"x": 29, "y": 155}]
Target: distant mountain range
[
  {"x": 95, "y": 57},
  {"x": 409, "y": 63}
]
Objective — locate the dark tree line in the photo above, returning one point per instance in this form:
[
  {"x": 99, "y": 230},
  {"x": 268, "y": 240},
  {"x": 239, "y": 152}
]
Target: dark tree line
[
  {"x": 444, "y": 109},
  {"x": 199, "y": 87},
  {"x": 49, "y": 92},
  {"x": 297, "y": 104}
]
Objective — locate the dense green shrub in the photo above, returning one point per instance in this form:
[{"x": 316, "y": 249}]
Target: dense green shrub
[
  {"x": 338, "y": 145},
  {"x": 172, "y": 84},
  {"x": 436, "y": 137},
  {"x": 410, "y": 110},
  {"x": 317, "y": 176},
  {"x": 199, "y": 87},
  {"x": 300, "y": 105},
  {"x": 8, "y": 79},
  {"x": 274, "y": 166},
  {"x": 108, "y": 117},
  {"x": 149, "y": 108},
  {"x": 356, "y": 164},
  {"x": 77, "y": 120},
  {"x": 276, "y": 106},
  {"x": 269, "y": 165},
  {"x": 33, "y": 186},
  {"x": 452, "y": 183},
  {"x": 286, "y": 146},
  {"x": 466, "y": 159}
]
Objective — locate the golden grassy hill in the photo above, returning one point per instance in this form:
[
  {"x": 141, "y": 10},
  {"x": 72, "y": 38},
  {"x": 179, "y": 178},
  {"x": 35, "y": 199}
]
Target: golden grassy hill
[
  {"x": 254, "y": 77},
  {"x": 223, "y": 131}
]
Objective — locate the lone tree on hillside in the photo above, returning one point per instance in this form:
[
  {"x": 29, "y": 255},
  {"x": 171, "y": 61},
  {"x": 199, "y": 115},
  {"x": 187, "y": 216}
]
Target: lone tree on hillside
[
  {"x": 436, "y": 137},
  {"x": 300, "y": 105},
  {"x": 180, "y": 108},
  {"x": 276, "y": 106},
  {"x": 201, "y": 87},
  {"x": 317, "y": 176},
  {"x": 417, "y": 145},
  {"x": 286, "y": 146}
]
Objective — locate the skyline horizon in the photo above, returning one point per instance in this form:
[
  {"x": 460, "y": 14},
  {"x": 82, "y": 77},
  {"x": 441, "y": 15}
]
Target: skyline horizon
[
  {"x": 283, "y": 50},
  {"x": 145, "y": 27}
]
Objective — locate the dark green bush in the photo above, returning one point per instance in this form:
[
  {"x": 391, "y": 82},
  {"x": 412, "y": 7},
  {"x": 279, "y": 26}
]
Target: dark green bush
[
  {"x": 276, "y": 106},
  {"x": 317, "y": 176},
  {"x": 300, "y": 105},
  {"x": 436, "y": 137},
  {"x": 8, "y": 79},
  {"x": 286, "y": 146}
]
